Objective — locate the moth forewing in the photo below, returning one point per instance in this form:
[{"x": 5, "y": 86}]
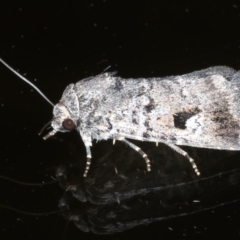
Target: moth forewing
[{"x": 195, "y": 109}]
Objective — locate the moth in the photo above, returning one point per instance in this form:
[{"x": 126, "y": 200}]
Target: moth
[{"x": 199, "y": 109}]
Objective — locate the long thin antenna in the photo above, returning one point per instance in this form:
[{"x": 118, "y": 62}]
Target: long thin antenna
[
  {"x": 28, "y": 213},
  {"x": 27, "y": 81}
]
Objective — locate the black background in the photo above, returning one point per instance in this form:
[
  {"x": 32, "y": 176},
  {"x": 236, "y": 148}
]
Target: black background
[{"x": 54, "y": 44}]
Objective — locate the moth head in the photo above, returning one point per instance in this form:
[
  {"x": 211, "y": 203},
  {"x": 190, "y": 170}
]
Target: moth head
[{"x": 65, "y": 113}]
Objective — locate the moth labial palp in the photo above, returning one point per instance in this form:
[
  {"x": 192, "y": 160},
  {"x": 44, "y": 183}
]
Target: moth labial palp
[{"x": 197, "y": 109}]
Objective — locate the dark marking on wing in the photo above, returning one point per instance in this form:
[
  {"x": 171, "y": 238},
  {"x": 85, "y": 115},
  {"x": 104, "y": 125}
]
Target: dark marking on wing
[
  {"x": 133, "y": 132},
  {"x": 118, "y": 85},
  {"x": 146, "y": 123},
  {"x": 151, "y": 85},
  {"x": 134, "y": 120},
  {"x": 142, "y": 91},
  {"x": 180, "y": 118},
  {"x": 150, "y": 129},
  {"x": 172, "y": 138},
  {"x": 146, "y": 135},
  {"x": 227, "y": 126},
  {"x": 150, "y": 106},
  {"x": 109, "y": 124}
]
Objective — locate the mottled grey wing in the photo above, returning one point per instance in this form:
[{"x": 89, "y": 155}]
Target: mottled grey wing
[{"x": 199, "y": 109}]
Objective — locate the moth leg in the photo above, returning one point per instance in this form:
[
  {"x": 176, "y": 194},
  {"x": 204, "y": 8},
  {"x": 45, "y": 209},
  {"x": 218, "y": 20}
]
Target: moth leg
[
  {"x": 185, "y": 154},
  {"x": 139, "y": 150},
  {"x": 88, "y": 162}
]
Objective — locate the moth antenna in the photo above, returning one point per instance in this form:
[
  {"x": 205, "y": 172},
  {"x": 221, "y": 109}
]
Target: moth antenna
[
  {"x": 28, "y": 213},
  {"x": 27, "y": 184},
  {"x": 27, "y": 81},
  {"x": 44, "y": 127}
]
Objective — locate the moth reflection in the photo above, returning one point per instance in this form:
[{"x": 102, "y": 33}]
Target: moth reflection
[{"x": 119, "y": 194}]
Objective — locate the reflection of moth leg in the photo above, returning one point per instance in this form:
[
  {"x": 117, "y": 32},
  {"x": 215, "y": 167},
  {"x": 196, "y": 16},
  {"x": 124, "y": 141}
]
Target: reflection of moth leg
[{"x": 143, "y": 154}]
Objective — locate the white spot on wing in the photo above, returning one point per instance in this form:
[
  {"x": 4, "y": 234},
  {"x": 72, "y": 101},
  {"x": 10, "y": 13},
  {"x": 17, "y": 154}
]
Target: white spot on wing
[{"x": 195, "y": 124}]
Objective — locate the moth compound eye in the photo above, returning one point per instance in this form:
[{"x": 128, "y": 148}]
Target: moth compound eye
[{"x": 68, "y": 124}]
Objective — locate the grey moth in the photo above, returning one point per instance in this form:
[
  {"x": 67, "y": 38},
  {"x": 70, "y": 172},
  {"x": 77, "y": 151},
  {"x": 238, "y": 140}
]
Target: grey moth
[{"x": 199, "y": 109}]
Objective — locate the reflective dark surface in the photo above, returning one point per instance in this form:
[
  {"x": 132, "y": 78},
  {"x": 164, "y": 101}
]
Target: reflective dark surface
[{"x": 63, "y": 43}]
